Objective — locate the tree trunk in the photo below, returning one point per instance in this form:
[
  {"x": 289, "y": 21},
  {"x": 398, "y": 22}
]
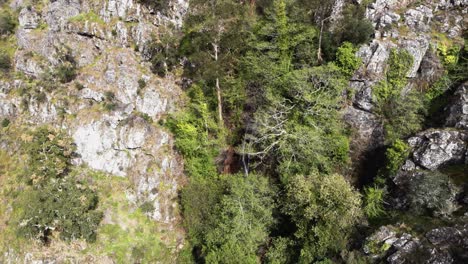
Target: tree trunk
[
  {"x": 220, "y": 105},
  {"x": 218, "y": 89},
  {"x": 319, "y": 50}
]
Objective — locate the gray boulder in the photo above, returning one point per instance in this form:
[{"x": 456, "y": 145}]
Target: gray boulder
[
  {"x": 28, "y": 18},
  {"x": 435, "y": 148},
  {"x": 458, "y": 110}
]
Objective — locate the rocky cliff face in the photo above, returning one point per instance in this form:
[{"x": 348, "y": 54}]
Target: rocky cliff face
[
  {"x": 414, "y": 26},
  {"x": 417, "y": 27},
  {"x": 112, "y": 106}
]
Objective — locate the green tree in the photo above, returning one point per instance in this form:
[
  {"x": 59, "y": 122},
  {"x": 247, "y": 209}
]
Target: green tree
[
  {"x": 49, "y": 154},
  {"x": 229, "y": 217},
  {"x": 7, "y": 22},
  {"x": 324, "y": 210},
  {"x": 207, "y": 25},
  {"x": 65, "y": 206}
]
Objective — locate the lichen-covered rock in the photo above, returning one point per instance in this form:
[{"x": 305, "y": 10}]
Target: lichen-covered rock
[
  {"x": 417, "y": 47},
  {"x": 367, "y": 125},
  {"x": 419, "y": 18},
  {"x": 58, "y": 12},
  {"x": 458, "y": 109},
  {"x": 447, "y": 236},
  {"x": 433, "y": 149},
  {"x": 28, "y": 18}
]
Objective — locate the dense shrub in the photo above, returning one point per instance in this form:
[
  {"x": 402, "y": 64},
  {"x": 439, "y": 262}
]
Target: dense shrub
[
  {"x": 5, "y": 61},
  {"x": 230, "y": 217},
  {"x": 396, "y": 155},
  {"x": 49, "y": 155},
  {"x": 354, "y": 27},
  {"x": 324, "y": 210},
  {"x": 433, "y": 193},
  {"x": 54, "y": 202},
  {"x": 66, "y": 72},
  {"x": 346, "y": 59},
  {"x": 7, "y": 22},
  {"x": 374, "y": 201},
  {"x": 65, "y": 206}
]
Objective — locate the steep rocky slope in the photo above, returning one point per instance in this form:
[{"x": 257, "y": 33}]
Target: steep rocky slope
[
  {"x": 437, "y": 154},
  {"x": 112, "y": 105}
]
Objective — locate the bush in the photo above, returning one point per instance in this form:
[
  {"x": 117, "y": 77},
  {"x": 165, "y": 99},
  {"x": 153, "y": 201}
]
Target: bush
[
  {"x": 433, "y": 193},
  {"x": 354, "y": 27},
  {"x": 347, "y": 60},
  {"x": 55, "y": 203},
  {"x": 396, "y": 155},
  {"x": 5, "y": 122},
  {"x": 229, "y": 217},
  {"x": 66, "y": 72},
  {"x": 5, "y": 61},
  {"x": 66, "y": 206},
  {"x": 7, "y": 23},
  {"x": 49, "y": 155},
  {"x": 373, "y": 201},
  {"x": 109, "y": 102},
  {"x": 324, "y": 210},
  {"x": 79, "y": 86}
]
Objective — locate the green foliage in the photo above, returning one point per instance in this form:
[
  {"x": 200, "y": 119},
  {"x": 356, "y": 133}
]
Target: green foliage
[
  {"x": 5, "y": 61},
  {"x": 399, "y": 63},
  {"x": 65, "y": 206},
  {"x": 346, "y": 59},
  {"x": 7, "y": 22},
  {"x": 402, "y": 114},
  {"x": 55, "y": 203},
  {"x": 373, "y": 201},
  {"x": 197, "y": 136},
  {"x": 66, "y": 72},
  {"x": 5, "y": 122},
  {"x": 229, "y": 217},
  {"x": 396, "y": 155},
  {"x": 79, "y": 86},
  {"x": 90, "y": 16},
  {"x": 449, "y": 55},
  {"x": 141, "y": 84},
  {"x": 109, "y": 101},
  {"x": 433, "y": 193},
  {"x": 303, "y": 133},
  {"x": 242, "y": 220},
  {"x": 163, "y": 52},
  {"x": 324, "y": 210},
  {"x": 354, "y": 27},
  {"x": 49, "y": 155},
  {"x": 160, "y": 5},
  {"x": 405, "y": 116},
  {"x": 279, "y": 251}
]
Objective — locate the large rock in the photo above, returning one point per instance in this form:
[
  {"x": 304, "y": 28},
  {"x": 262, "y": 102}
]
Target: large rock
[
  {"x": 417, "y": 47},
  {"x": 127, "y": 146},
  {"x": 418, "y": 19},
  {"x": 59, "y": 12},
  {"x": 368, "y": 127},
  {"x": 435, "y": 148},
  {"x": 458, "y": 109},
  {"x": 28, "y": 18}
]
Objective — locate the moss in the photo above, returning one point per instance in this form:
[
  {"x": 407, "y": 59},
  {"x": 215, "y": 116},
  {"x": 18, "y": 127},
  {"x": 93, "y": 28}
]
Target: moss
[
  {"x": 90, "y": 16},
  {"x": 128, "y": 235}
]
